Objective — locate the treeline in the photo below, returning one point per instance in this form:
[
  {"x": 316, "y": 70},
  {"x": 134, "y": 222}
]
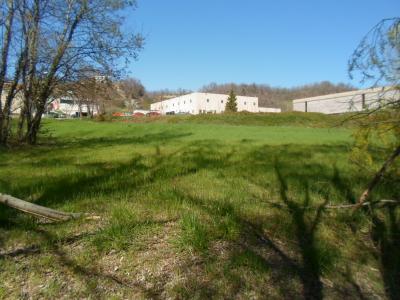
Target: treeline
[
  {"x": 268, "y": 96},
  {"x": 276, "y": 96}
]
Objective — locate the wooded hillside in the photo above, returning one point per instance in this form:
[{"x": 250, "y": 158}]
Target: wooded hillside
[{"x": 277, "y": 96}]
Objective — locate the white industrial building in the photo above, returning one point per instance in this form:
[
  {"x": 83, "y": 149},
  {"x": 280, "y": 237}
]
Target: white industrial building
[
  {"x": 201, "y": 103},
  {"x": 353, "y": 101}
]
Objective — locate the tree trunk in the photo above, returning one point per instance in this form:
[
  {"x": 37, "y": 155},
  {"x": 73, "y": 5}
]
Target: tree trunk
[
  {"x": 5, "y": 121},
  {"x": 4, "y": 53},
  {"x": 29, "y": 74},
  {"x": 47, "y": 85},
  {"x": 21, "y": 123},
  {"x": 34, "y": 126}
]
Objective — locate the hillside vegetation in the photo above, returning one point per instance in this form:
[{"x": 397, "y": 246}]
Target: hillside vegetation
[
  {"x": 195, "y": 207},
  {"x": 260, "y": 119}
]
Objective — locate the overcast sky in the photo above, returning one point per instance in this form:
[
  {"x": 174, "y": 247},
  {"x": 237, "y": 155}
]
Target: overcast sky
[{"x": 282, "y": 43}]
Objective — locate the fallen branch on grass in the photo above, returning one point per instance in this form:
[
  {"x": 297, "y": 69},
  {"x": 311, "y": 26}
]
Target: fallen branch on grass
[
  {"x": 37, "y": 210},
  {"x": 379, "y": 203}
]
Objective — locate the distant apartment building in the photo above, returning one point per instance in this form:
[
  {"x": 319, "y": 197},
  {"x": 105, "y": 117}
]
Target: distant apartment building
[
  {"x": 202, "y": 103},
  {"x": 353, "y": 101}
]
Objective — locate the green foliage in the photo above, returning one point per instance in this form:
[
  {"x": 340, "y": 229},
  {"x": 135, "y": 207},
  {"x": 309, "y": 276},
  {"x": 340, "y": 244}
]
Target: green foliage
[
  {"x": 231, "y": 104},
  {"x": 381, "y": 128}
]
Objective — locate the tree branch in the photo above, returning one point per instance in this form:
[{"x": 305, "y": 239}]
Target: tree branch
[
  {"x": 37, "y": 210},
  {"x": 364, "y": 196}
]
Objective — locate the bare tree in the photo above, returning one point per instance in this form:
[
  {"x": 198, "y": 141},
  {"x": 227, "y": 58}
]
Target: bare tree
[
  {"x": 132, "y": 88},
  {"x": 59, "y": 38}
]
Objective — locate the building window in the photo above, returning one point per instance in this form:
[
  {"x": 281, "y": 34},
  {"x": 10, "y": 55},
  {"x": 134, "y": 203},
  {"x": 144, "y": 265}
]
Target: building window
[
  {"x": 190, "y": 100},
  {"x": 208, "y": 100},
  {"x": 184, "y": 102},
  {"x": 222, "y": 101},
  {"x": 254, "y": 103},
  {"x": 66, "y": 101},
  {"x": 244, "y": 102}
]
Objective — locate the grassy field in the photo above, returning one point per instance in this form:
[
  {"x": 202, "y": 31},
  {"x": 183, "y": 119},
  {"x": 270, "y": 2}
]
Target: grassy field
[{"x": 195, "y": 208}]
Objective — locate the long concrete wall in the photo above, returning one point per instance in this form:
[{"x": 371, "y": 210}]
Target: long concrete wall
[{"x": 346, "y": 102}]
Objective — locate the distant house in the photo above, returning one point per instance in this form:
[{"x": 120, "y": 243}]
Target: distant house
[
  {"x": 353, "y": 101},
  {"x": 201, "y": 103},
  {"x": 67, "y": 105},
  {"x": 73, "y": 107}
]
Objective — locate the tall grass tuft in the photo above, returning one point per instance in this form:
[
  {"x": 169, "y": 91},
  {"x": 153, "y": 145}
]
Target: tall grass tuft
[
  {"x": 124, "y": 227},
  {"x": 195, "y": 234}
]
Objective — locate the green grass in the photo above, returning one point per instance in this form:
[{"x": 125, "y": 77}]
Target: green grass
[{"x": 195, "y": 207}]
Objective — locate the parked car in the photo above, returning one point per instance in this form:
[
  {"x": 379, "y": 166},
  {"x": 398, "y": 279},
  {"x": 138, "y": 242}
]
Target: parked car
[
  {"x": 138, "y": 114},
  {"x": 55, "y": 115},
  {"x": 52, "y": 115},
  {"x": 153, "y": 114}
]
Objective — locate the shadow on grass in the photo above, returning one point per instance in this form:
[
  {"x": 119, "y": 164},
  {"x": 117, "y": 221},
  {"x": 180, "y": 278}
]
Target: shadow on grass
[
  {"x": 386, "y": 237},
  {"x": 316, "y": 256},
  {"x": 343, "y": 186},
  {"x": 101, "y": 142},
  {"x": 305, "y": 232},
  {"x": 250, "y": 238},
  {"x": 92, "y": 276},
  {"x": 128, "y": 177},
  {"x": 109, "y": 180},
  {"x": 284, "y": 266},
  {"x": 63, "y": 187}
]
